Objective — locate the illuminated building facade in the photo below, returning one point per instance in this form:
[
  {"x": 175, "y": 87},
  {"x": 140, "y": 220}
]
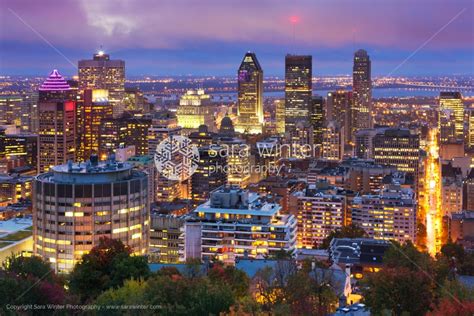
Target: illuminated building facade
[
  {"x": 237, "y": 153},
  {"x": 361, "y": 91},
  {"x": 298, "y": 89},
  {"x": 397, "y": 147},
  {"x": 390, "y": 215},
  {"x": 317, "y": 118},
  {"x": 250, "y": 95},
  {"x": 11, "y": 110},
  {"x": 210, "y": 173},
  {"x": 452, "y": 102},
  {"x": 364, "y": 143},
  {"x": 74, "y": 205},
  {"x": 165, "y": 231},
  {"x": 14, "y": 188},
  {"x": 19, "y": 146},
  {"x": 96, "y": 108},
  {"x": 339, "y": 105},
  {"x": 451, "y": 189},
  {"x": 470, "y": 134},
  {"x": 57, "y": 123},
  {"x": 195, "y": 109},
  {"x": 332, "y": 142},
  {"x": 300, "y": 140},
  {"x": 236, "y": 223},
  {"x": 280, "y": 116},
  {"x": 101, "y": 72},
  {"x": 318, "y": 214}
]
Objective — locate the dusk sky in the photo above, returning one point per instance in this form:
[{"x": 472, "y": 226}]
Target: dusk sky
[{"x": 179, "y": 37}]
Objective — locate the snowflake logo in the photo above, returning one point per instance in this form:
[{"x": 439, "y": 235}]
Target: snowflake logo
[{"x": 176, "y": 158}]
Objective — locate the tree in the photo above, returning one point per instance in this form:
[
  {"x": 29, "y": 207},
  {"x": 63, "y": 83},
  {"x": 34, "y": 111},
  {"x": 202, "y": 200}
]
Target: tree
[
  {"x": 236, "y": 279},
  {"x": 29, "y": 280},
  {"x": 131, "y": 293},
  {"x": 398, "y": 290},
  {"x": 107, "y": 265},
  {"x": 349, "y": 231},
  {"x": 188, "y": 296}
]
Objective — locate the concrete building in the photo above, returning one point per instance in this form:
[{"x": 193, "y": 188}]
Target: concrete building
[
  {"x": 238, "y": 223},
  {"x": 390, "y": 215},
  {"x": 75, "y": 205}
]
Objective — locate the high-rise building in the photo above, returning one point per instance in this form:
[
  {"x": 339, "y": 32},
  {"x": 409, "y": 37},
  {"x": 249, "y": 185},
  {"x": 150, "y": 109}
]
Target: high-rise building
[
  {"x": 361, "y": 91},
  {"x": 333, "y": 142},
  {"x": 236, "y": 223},
  {"x": 210, "y": 174},
  {"x": 300, "y": 141},
  {"x": 11, "y": 110},
  {"x": 339, "y": 105},
  {"x": 317, "y": 118},
  {"x": 14, "y": 188},
  {"x": 318, "y": 214},
  {"x": 451, "y": 189},
  {"x": 280, "y": 116},
  {"x": 298, "y": 89},
  {"x": 23, "y": 146},
  {"x": 470, "y": 134},
  {"x": 250, "y": 95},
  {"x": 95, "y": 109},
  {"x": 195, "y": 109},
  {"x": 397, "y": 147},
  {"x": 452, "y": 102},
  {"x": 74, "y": 205},
  {"x": 101, "y": 72},
  {"x": 57, "y": 123},
  {"x": 390, "y": 215},
  {"x": 165, "y": 231}
]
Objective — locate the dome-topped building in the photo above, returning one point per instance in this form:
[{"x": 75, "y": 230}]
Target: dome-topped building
[{"x": 227, "y": 127}]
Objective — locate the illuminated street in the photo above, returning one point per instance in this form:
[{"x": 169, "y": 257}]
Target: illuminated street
[{"x": 431, "y": 201}]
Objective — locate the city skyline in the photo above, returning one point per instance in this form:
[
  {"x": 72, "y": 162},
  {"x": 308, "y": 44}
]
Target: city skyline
[{"x": 419, "y": 38}]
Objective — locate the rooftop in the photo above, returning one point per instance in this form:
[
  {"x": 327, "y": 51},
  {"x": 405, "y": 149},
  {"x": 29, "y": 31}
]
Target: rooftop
[{"x": 55, "y": 82}]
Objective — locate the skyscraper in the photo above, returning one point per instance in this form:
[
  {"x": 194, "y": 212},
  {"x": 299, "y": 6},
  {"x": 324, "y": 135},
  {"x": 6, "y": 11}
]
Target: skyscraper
[
  {"x": 333, "y": 142},
  {"x": 95, "y": 109},
  {"x": 298, "y": 89},
  {"x": 250, "y": 95},
  {"x": 317, "y": 118},
  {"x": 361, "y": 91},
  {"x": 452, "y": 102},
  {"x": 210, "y": 173},
  {"x": 57, "y": 123},
  {"x": 103, "y": 73},
  {"x": 339, "y": 104}
]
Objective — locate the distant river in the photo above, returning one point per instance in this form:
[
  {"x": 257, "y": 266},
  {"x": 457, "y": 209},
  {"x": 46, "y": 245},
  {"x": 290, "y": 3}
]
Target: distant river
[{"x": 376, "y": 93}]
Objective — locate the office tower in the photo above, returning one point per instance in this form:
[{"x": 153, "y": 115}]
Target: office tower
[
  {"x": 237, "y": 152},
  {"x": 134, "y": 101},
  {"x": 254, "y": 227},
  {"x": 397, "y": 147},
  {"x": 147, "y": 165},
  {"x": 298, "y": 89},
  {"x": 57, "y": 123},
  {"x": 280, "y": 116},
  {"x": 333, "y": 142},
  {"x": 124, "y": 131},
  {"x": 361, "y": 91},
  {"x": 470, "y": 134},
  {"x": 367, "y": 177},
  {"x": 318, "y": 214},
  {"x": 14, "y": 188},
  {"x": 11, "y": 110},
  {"x": 29, "y": 114},
  {"x": 202, "y": 137},
  {"x": 74, "y": 205},
  {"x": 165, "y": 232},
  {"x": 391, "y": 215},
  {"x": 339, "y": 105},
  {"x": 163, "y": 125},
  {"x": 300, "y": 141},
  {"x": 452, "y": 102},
  {"x": 96, "y": 108},
  {"x": 195, "y": 109},
  {"x": 210, "y": 174},
  {"x": 451, "y": 189},
  {"x": 446, "y": 125},
  {"x": 101, "y": 72},
  {"x": 250, "y": 95},
  {"x": 23, "y": 146},
  {"x": 364, "y": 143},
  {"x": 317, "y": 118}
]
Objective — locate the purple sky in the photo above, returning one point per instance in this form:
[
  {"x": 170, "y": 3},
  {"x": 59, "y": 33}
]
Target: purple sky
[{"x": 175, "y": 37}]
